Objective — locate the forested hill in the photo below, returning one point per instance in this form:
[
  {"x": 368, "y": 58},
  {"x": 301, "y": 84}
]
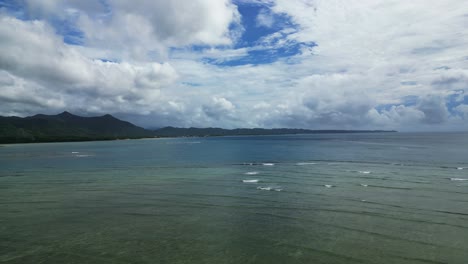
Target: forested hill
[
  {"x": 67, "y": 127},
  {"x": 202, "y": 132}
]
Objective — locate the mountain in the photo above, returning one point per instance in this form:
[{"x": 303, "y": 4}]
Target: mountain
[
  {"x": 203, "y": 132},
  {"x": 67, "y": 127}
]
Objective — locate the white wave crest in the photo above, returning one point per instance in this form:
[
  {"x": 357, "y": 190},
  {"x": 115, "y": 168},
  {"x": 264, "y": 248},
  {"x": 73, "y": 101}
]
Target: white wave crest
[
  {"x": 364, "y": 172},
  {"x": 250, "y": 181},
  {"x": 269, "y": 188},
  {"x": 458, "y": 179},
  {"x": 251, "y": 173},
  {"x": 268, "y": 164},
  {"x": 305, "y": 163}
]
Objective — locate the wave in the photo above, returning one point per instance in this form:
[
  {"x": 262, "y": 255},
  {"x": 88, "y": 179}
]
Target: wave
[
  {"x": 305, "y": 163},
  {"x": 362, "y": 172},
  {"x": 458, "y": 179},
  {"x": 269, "y": 188},
  {"x": 329, "y": 185},
  {"x": 364, "y": 185},
  {"x": 251, "y": 173},
  {"x": 256, "y": 163},
  {"x": 75, "y": 152},
  {"x": 249, "y": 181}
]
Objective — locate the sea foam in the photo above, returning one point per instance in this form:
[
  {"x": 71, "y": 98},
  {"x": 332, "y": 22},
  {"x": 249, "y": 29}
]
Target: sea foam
[
  {"x": 269, "y": 188},
  {"x": 249, "y": 181},
  {"x": 251, "y": 173},
  {"x": 458, "y": 179},
  {"x": 305, "y": 163},
  {"x": 268, "y": 164}
]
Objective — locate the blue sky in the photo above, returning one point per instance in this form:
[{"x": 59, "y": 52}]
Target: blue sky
[{"x": 316, "y": 64}]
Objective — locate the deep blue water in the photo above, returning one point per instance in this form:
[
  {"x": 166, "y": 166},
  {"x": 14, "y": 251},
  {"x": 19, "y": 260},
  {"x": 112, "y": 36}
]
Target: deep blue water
[{"x": 331, "y": 198}]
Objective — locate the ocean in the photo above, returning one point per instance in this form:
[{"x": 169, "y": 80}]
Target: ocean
[{"x": 327, "y": 198}]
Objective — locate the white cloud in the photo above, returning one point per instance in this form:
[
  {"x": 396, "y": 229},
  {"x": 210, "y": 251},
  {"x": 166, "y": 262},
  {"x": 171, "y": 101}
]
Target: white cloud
[
  {"x": 371, "y": 56},
  {"x": 265, "y": 18},
  {"x": 463, "y": 109},
  {"x": 61, "y": 8},
  {"x": 386, "y": 36},
  {"x": 40, "y": 66},
  {"x": 219, "y": 108},
  {"x": 130, "y": 30}
]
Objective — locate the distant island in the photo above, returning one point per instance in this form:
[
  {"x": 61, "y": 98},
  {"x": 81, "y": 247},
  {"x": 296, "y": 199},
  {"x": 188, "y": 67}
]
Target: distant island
[{"x": 67, "y": 127}]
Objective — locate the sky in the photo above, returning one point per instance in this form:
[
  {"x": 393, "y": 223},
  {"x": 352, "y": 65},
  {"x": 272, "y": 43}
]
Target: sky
[{"x": 317, "y": 64}]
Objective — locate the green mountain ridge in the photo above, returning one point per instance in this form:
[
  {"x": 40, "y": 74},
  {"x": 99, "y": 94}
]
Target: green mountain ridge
[
  {"x": 213, "y": 131},
  {"x": 69, "y": 127}
]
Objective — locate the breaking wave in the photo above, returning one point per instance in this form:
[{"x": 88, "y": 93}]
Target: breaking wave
[
  {"x": 305, "y": 163},
  {"x": 269, "y": 188},
  {"x": 249, "y": 181}
]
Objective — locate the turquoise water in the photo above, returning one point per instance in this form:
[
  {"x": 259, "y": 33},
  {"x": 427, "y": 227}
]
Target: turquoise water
[{"x": 355, "y": 198}]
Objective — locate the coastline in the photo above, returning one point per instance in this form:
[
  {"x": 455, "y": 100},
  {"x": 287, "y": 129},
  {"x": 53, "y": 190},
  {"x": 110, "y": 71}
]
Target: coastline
[{"x": 193, "y": 136}]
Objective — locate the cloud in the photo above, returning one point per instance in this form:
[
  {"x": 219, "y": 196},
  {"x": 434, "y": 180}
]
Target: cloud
[
  {"x": 39, "y": 65},
  {"x": 451, "y": 79},
  {"x": 219, "y": 108},
  {"x": 131, "y": 30},
  {"x": 318, "y": 63},
  {"x": 265, "y": 18},
  {"x": 434, "y": 109},
  {"x": 61, "y": 8},
  {"x": 463, "y": 109}
]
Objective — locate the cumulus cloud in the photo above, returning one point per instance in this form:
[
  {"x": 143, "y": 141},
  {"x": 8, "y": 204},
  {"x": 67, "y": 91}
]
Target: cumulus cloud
[
  {"x": 219, "y": 108},
  {"x": 39, "y": 65},
  {"x": 132, "y": 29},
  {"x": 377, "y": 48},
  {"x": 167, "y": 62},
  {"x": 434, "y": 109}
]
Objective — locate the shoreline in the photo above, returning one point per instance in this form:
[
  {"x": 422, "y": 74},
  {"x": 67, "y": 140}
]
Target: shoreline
[{"x": 195, "y": 136}]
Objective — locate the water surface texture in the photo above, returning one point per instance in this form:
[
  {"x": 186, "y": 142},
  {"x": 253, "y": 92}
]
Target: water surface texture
[{"x": 344, "y": 198}]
